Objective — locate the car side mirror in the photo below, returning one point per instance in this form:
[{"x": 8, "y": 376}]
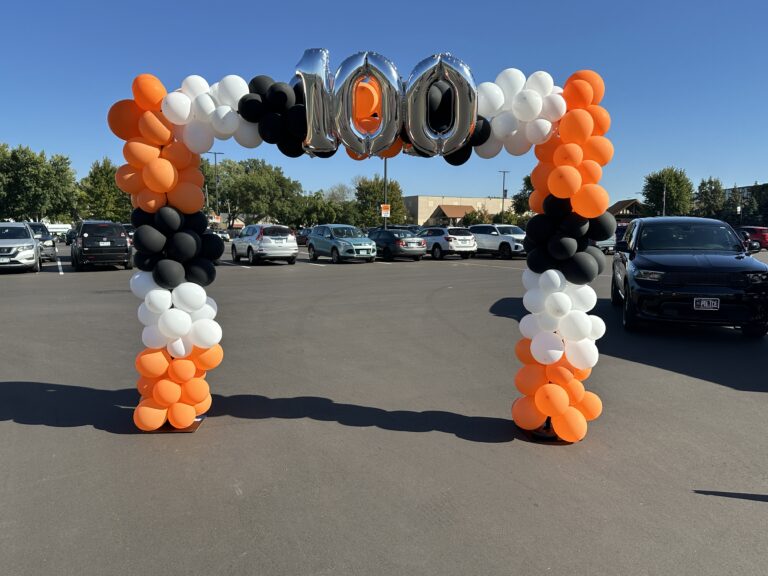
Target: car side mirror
[
  {"x": 754, "y": 247},
  {"x": 494, "y": 233},
  {"x": 622, "y": 246}
]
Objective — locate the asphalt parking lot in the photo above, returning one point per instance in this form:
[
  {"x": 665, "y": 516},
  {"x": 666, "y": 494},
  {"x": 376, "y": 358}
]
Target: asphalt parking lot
[{"x": 361, "y": 425}]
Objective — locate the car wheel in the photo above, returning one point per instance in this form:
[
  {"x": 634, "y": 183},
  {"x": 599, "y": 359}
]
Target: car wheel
[
  {"x": 417, "y": 258},
  {"x": 464, "y": 255},
  {"x": 312, "y": 253},
  {"x": 76, "y": 262},
  {"x": 370, "y": 260},
  {"x": 252, "y": 258},
  {"x": 505, "y": 251},
  {"x": 292, "y": 260},
  {"x": 36, "y": 267},
  {"x": 754, "y": 330},
  {"x": 437, "y": 252},
  {"x": 628, "y": 312},
  {"x": 129, "y": 264},
  {"x": 335, "y": 258},
  {"x": 235, "y": 255},
  {"x": 615, "y": 296}
]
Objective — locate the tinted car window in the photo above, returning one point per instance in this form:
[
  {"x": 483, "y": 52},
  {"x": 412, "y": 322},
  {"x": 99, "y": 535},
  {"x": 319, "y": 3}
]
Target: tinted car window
[
  {"x": 102, "y": 229},
  {"x": 13, "y": 233},
  {"x": 510, "y": 230},
  {"x": 674, "y": 236},
  {"x": 281, "y": 231},
  {"x": 38, "y": 228},
  {"x": 402, "y": 234},
  {"x": 459, "y": 232}
]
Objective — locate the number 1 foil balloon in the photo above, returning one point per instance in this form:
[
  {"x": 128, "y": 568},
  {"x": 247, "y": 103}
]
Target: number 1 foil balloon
[{"x": 313, "y": 71}]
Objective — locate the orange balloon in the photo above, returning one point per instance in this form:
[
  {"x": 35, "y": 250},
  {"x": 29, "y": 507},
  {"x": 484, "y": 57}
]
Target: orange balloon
[
  {"x": 530, "y": 378},
  {"x": 166, "y": 392},
  {"x": 355, "y": 155},
  {"x": 195, "y": 391},
  {"x": 129, "y": 179},
  {"x": 523, "y": 351},
  {"x": 581, "y": 374},
  {"x": 200, "y": 374},
  {"x": 393, "y": 150},
  {"x": 601, "y": 119},
  {"x": 181, "y": 415},
  {"x": 193, "y": 175},
  {"x": 208, "y": 358},
  {"x": 576, "y": 126},
  {"x": 599, "y": 149},
  {"x": 571, "y": 425},
  {"x": 181, "y": 370},
  {"x": 568, "y": 155},
  {"x": 590, "y": 171},
  {"x": 187, "y": 198},
  {"x": 559, "y": 375},
  {"x": 369, "y": 125},
  {"x": 551, "y": 399},
  {"x": 540, "y": 176},
  {"x": 144, "y": 385},
  {"x": 595, "y": 81},
  {"x": 564, "y": 181},
  {"x": 590, "y": 201},
  {"x": 148, "y": 92},
  {"x": 177, "y": 154},
  {"x": 138, "y": 152},
  {"x": 536, "y": 201},
  {"x": 160, "y": 175},
  {"x": 152, "y": 363},
  {"x": 149, "y": 415},
  {"x": 575, "y": 390},
  {"x": 204, "y": 406},
  {"x": 195, "y": 162},
  {"x": 577, "y": 94},
  {"x": 367, "y": 100},
  {"x": 526, "y": 415},
  {"x": 134, "y": 201},
  {"x": 590, "y": 406},
  {"x": 155, "y": 128},
  {"x": 545, "y": 152},
  {"x": 150, "y": 201},
  {"x": 123, "y": 119}
]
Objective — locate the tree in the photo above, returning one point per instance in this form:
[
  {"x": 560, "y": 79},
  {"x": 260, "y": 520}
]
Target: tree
[
  {"x": 739, "y": 207},
  {"x": 369, "y": 193},
  {"x": 520, "y": 200},
  {"x": 340, "y": 193},
  {"x": 675, "y": 185},
  {"x": 100, "y": 197},
  {"x": 478, "y": 216},
  {"x": 507, "y": 217},
  {"x": 710, "y": 198}
]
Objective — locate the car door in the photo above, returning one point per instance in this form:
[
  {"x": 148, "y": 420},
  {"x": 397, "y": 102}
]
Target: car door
[
  {"x": 482, "y": 235},
  {"x": 426, "y": 234},
  {"x": 621, "y": 256},
  {"x": 240, "y": 241}
]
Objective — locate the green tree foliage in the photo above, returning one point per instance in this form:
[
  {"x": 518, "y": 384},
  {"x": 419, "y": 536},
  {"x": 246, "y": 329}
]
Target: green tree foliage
[
  {"x": 679, "y": 192},
  {"x": 710, "y": 198},
  {"x": 99, "y": 197},
  {"x": 369, "y": 193},
  {"x": 740, "y": 207},
  {"x": 477, "y": 216},
  {"x": 520, "y": 200},
  {"x": 339, "y": 193}
]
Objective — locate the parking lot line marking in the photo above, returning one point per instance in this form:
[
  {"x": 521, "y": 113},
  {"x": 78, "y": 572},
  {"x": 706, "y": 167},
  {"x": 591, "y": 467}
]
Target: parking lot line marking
[
  {"x": 235, "y": 265},
  {"x": 61, "y": 270},
  {"x": 313, "y": 264}
]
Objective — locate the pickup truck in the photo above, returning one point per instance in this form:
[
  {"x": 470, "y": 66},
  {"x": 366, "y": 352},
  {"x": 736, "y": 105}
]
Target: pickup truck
[{"x": 607, "y": 246}]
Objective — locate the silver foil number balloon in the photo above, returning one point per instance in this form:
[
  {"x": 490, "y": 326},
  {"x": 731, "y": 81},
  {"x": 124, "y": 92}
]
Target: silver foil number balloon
[{"x": 313, "y": 71}]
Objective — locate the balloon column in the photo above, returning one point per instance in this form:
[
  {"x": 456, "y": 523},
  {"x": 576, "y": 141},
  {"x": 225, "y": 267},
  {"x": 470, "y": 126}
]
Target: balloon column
[{"x": 175, "y": 257}]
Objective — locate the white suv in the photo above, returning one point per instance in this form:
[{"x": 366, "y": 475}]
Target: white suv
[
  {"x": 502, "y": 240},
  {"x": 259, "y": 242},
  {"x": 449, "y": 240}
]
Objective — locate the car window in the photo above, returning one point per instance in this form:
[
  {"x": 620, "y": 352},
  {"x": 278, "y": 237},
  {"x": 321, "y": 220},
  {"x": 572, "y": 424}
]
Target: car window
[
  {"x": 348, "y": 232},
  {"x": 102, "y": 229},
  {"x": 459, "y": 232},
  {"x": 13, "y": 233},
  {"x": 38, "y": 228},
  {"x": 509, "y": 230},
  {"x": 280, "y": 231},
  {"x": 688, "y": 237}
]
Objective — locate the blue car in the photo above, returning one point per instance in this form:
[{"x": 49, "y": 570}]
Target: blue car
[{"x": 340, "y": 242}]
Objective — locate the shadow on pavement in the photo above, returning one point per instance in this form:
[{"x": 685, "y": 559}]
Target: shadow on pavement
[
  {"x": 720, "y": 355},
  {"x": 739, "y": 495}
]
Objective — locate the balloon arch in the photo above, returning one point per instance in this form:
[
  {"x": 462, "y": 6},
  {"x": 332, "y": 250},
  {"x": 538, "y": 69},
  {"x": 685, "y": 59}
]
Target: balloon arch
[{"x": 367, "y": 108}]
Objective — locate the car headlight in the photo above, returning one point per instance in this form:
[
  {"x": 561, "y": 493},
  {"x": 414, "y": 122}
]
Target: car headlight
[
  {"x": 26, "y": 247},
  {"x": 757, "y": 277},
  {"x": 649, "y": 275},
  {"x": 48, "y": 243},
  {"x": 343, "y": 244}
]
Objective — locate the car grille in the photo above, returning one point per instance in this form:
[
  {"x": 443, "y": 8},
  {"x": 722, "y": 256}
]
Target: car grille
[
  {"x": 5, "y": 250},
  {"x": 704, "y": 279}
]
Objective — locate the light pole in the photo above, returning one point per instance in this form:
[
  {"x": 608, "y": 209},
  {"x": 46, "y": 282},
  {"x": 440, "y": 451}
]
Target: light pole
[
  {"x": 385, "y": 189},
  {"x": 503, "y": 191},
  {"x": 216, "y": 176}
]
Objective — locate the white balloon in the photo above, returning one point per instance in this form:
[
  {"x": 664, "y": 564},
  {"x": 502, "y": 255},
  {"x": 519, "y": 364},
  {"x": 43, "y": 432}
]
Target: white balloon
[
  {"x": 538, "y": 131},
  {"x": 214, "y": 92},
  {"x": 231, "y": 89},
  {"x": 189, "y": 296},
  {"x": 551, "y": 281},
  {"x": 141, "y": 283},
  {"x": 517, "y": 143},
  {"x": 533, "y": 300},
  {"x": 151, "y": 337},
  {"x": 582, "y": 354},
  {"x": 558, "y": 304},
  {"x": 205, "y": 333},
  {"x": 490, "y": 148},
  {"x": 177, "y": 107},
  {"x": 147, "y": 317},
  {"x": 158, "y": 300},
  {"x": 553, "y": 107},
  {"x": 547, "y": 322},
  {"x": 557, "y": 90},
  {"x": 225, "y": 120},
  {"x": 526, "y": 105},
  {"x": 511, "y": 81},
  {"x": 212, "y": 303},
  {"x": 575, "y": 325},
  {"x": 583, "y": 297},
  {"x": 598, "y": 327},
  {"x": 529, "y": 326},
  {"x": 247, "y": 134},
  {"x": 194, "y": 85},
  {"x": 206, "y": 312},
  {"x": 531, "y": 279},
  {"x": 198, "y": 136},
  {"x": 220, "y": 135},
  {"x": 179, "y": 348},
  {"x": 547, "y": 348},
  {"x": 202, "y": 107},
  {"x": 540, "y": 82},
  {"x": 503, "y": 125},
  {"x": 489, "y": 99},
  {"x": 175, "y": 323}
]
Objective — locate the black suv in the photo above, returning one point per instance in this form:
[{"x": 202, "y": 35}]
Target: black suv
[
  {"x": 689, "y": 271},
  {"x": 100, "y": 242}
]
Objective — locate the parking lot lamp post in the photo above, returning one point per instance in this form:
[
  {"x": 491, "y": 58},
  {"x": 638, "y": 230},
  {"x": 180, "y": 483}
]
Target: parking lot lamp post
[
  {"x": 216, "y": 176},
  {"x": 503, "y": 191},
  {"x": 385, "y": 189}
]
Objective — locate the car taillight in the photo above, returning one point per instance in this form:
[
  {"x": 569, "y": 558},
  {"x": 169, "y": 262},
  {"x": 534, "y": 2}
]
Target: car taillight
[
  {"x": 399, "y": 242},
  {"x": 423, "y": 242},
  {"x": 449, "y": 238}
]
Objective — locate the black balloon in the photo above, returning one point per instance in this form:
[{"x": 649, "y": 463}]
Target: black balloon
[
  {"x": 539, "y": 260},
  {"x": 251, "y": 107},
  {"x": 540, "y": 228},
  {"x": 271, "y": 128},
  {"x": 574, "y": 225},
  {"x": 298, "y": 91},
  {"x": 557, "y": 208},
  {"x": 529, "y": 244},
  {"x": 200, "y": 271},
  {"x": 291, "y": 147},
  {"x": 440, "y": 106},
  {"x": 324, "y": 154},
  {"x": 582, "y": 242},
  {"x": 581, "y": 269},
  {"x": 147, "y": 238},
  {"x": 183, "y": 246},
  {"x": 168, "y": 220},
  {"x": 140, "y": 218},
  {"x": 260, "y": 85},
  {"x": 460, "y": 156},
  {"x": 482, "y": 132},
  {"x": 599, "y": 257},
  {"x": 602, "y": 227},
  {"x": 562, "y": 247},
  {"x": 280, "y": 97},
  {"x": 296, "y": 121},
  {"x": 146, "y": 261},
  {"x": 212, "y": 246},
  {"x": 197, "y": 222},
  {"x": 168, "y": 273}
]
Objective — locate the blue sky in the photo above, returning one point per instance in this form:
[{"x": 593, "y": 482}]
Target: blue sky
[{"x": 686, "y": 82}]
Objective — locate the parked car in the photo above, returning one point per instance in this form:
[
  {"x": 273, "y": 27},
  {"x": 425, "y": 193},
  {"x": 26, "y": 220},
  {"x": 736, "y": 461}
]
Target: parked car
[
  {"x": 398, "y": 243},
  {"x": 449, "y": 240},
  {"x": 18, "y": 248},
  {"x": 607, "y": 246},
  {"x": 223, "y": 234},
  {"x": 756, "y": 233},
  {"x": 499, "y": 239},
  {"x": 303, "y": 236},
  {"x": 69, "y": 236},
  {"x": 130, "y": 229},
  {"x": 260, "y": 242},
  {"x": 415, "y": 228},
  {"x": 48, "y": 250},
  {"x": 340, "y": 242},
  {"x": 100, "y": 242},
  {"x": 691, "y": 271}
]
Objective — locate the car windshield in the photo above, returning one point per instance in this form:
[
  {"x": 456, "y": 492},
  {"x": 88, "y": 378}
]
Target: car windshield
[
  {"x": 684, "y": 236},
  {"x": 105, "y": 229},
  {"x": 38, "y": 228},
  {"x": 510, "y": 230},
  {"x": 13, "y": 233},
  {"x": 348, "y": 232},
  {"x": 459, "y": 232},
  {"x": 279, "y": 231}
]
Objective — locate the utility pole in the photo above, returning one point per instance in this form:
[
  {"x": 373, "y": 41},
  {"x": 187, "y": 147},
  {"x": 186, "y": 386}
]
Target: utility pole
[
  {"x": 385, "y": 190},
  {"x": 664, "y": 201},
  {"x": 216, "y": 178},
  {"x": 503, "y": 191}
]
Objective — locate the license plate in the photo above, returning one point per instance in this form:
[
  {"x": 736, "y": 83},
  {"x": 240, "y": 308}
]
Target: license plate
[
  {"x": 105, "y": 243},
  {"x": 706, "y": 303},
  {"x": 4, "y": 260},
  {"x": 363, "y": 251}
]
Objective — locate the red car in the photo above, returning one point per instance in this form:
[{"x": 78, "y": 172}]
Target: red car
[{"x": 756, "y": 233}]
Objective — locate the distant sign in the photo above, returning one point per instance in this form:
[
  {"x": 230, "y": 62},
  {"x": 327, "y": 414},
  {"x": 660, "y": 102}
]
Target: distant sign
[{"x": 385, "y": 210}]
